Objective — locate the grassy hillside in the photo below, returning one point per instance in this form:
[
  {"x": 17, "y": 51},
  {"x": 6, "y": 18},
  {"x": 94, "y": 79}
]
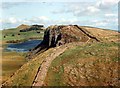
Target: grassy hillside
[
  {"x": 104, "y": 35},
  {"x": 89, "y": 65},
  {"x": 13, "y": 34},
  {"x": 26, "y": 74},
  {"x": 82, "y": 64}
]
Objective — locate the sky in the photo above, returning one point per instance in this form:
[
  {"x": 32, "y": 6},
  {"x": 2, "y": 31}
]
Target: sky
[{"x": 95, "y": 13}]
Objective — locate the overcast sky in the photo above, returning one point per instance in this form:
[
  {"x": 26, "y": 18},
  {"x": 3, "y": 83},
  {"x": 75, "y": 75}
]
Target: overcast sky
[{"x": 97, "y": 13}]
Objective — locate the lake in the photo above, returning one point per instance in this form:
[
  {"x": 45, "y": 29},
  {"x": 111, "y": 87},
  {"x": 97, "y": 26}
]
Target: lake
[{"x": 24, "y": 46}]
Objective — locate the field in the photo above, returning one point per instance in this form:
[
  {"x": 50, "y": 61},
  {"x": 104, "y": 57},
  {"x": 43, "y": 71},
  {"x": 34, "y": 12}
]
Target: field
[
  {"x": 11, "y": 62},
  {"x": 13, "y": 34}
]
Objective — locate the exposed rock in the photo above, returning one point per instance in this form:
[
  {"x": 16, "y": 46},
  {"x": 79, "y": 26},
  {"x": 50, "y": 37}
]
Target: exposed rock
[{"x": 60, "y": 35}]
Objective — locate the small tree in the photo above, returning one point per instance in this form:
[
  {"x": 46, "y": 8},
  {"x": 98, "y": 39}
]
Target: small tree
[{"x": 13, "y": 35}]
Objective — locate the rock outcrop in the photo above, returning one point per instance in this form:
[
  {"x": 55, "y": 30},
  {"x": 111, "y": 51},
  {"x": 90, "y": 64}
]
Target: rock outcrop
[{"x": 60, "y": 35}]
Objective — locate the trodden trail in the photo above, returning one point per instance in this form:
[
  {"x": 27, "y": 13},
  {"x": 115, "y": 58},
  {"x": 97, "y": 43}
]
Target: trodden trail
[{"x": 42, "y": 71}]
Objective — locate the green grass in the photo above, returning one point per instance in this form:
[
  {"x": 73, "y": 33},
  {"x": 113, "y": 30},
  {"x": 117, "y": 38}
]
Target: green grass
[
  {"x": 99, "y": 51},
  {"x": 23, "y": 35},
  {"x": 26, "y": 74}
]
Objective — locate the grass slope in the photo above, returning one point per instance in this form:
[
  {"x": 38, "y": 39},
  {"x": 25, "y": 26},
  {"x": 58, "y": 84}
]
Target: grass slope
[
  {"x": 91, "y": 65},
  {"x": 26, "y": 74},
  {"x": 102, "y": 34},
  {"x": 11, "y": 62}
]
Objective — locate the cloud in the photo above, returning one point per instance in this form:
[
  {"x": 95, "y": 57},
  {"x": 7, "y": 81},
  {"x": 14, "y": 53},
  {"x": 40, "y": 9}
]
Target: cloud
[
  {"x": 92, "y": 9},
  {"x": 11, "y": 20},
  {"x": 67, "y": 21},
  {"x": 70, "y": 8},
  {"x": 97, "y": 8},
  {"x": 106, "y": 4},
  {"x": 43, "y": 18},
  {"x": 78, "y": 13},
  {"x": 38, "y": 20},
  {"x": 8, "y": 5},
  {"x": 111, "y": 15}
]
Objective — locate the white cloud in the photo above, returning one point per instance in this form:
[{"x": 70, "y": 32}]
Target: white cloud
[
  {"x": 25, "y": 21},
  {"x": 98, "y": 8},
  {"x": 11, "y": 4},
  {"x": 43, "y": 18},
  {"x": 106, "y": 4},
  {"x": 66, "y": 21},
  {"x": 88, "y": 11},
  {"x": 111, "y": 15},
  {"x": 36, "y": 20},
  {"x": 92, "y": 9},
  {"x": 12, "y": 20},
  {"x": 78, "y": 9}
]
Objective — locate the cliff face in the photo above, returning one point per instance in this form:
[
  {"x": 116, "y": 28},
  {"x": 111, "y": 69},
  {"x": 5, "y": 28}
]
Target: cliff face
[{"x": 60, "y": 35}]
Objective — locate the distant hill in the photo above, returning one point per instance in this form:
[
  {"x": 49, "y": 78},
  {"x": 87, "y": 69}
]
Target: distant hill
[{"x": 23, "y": 26}]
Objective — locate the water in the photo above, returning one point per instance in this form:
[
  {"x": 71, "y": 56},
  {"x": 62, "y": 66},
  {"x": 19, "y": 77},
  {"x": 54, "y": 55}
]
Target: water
[{"x": 24, "y": 46}]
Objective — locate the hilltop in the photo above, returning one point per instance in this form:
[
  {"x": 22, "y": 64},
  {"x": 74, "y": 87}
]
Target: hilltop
[
  {"x": 71, "y": 55},
  {"x": 23, "y": 26}
]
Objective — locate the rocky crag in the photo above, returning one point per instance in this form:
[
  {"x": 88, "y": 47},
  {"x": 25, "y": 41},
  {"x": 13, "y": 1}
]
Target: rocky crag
[{"x": 60, "y": 35}]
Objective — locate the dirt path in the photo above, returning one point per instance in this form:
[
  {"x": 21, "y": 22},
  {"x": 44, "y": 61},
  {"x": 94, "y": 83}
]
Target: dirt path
[{"x": 42, "y": 72}]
